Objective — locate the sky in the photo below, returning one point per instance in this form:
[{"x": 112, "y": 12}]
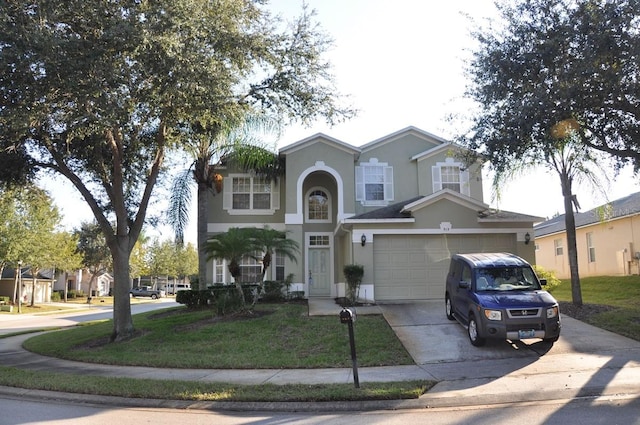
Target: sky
[{"x": 401, "y": 64}]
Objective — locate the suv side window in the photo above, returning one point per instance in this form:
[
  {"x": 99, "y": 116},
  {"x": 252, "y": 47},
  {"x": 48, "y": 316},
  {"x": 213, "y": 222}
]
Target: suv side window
[
  {"x": 466, "y": 274},
  {"x": 454, "y": 270}
]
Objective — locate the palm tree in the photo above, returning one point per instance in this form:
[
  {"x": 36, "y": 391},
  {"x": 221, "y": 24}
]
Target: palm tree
[
  {"x": 207, "y": 148},
  {"x": 232, "y": 246},
  {"x": 574, "y": 162},
  {"x": 270, "y": 241}
]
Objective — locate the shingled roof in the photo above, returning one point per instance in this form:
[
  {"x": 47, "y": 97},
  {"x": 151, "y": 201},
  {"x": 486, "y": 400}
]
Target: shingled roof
[
  {"x": 388, "y": 212},
  {"x": 629, "y": 205}
]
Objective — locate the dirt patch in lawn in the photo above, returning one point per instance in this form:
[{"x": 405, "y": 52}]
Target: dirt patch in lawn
[
  {"x": 233, "y": 317},
  {"x": 584, "y": 312}
]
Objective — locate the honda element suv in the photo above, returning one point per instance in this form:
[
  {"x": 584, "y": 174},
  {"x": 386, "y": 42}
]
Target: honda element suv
[{"x": 498, "y": 295}]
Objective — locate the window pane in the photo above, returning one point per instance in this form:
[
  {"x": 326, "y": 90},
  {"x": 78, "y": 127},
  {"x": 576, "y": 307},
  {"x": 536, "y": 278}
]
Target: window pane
[
  {"x": 374, "y": 192},
  {"x": 241, "y": 185},
  {"x": 450, "y": 178},
  {"x": 261, "y": 185},
  {"x": 261, "y": 201},
  {"x": 279, "y": 266},
  {"x": 318, "y": 205},
  {"x": 241, "y": 201},
  {"x": 319, "y": 240}
]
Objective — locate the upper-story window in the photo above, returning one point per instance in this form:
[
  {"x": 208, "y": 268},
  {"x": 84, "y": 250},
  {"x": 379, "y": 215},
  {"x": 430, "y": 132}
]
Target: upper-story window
[
  {"x": 246, "y": 194},
  {"x": 318, "y": 206},
  {"x": 374, "y": 183},
  {"x": 450, "y": 175},
  {"x": 558, "y": 247}
]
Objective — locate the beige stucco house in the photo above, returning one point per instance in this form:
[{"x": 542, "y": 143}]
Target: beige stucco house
[
  {"x": 608, "y": 240},
  {"x": 400, "y": 206}
]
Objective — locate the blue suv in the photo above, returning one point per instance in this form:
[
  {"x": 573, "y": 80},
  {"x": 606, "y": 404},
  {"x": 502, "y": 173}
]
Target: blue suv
[{"x": 498, "y": 295}]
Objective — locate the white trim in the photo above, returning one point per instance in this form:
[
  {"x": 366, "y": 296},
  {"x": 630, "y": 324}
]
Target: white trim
[
  {"x": 400, "y": 133},
  {"x": 449, "y": 194},
  {"x": 438, "y": 231},
  {"x": 319, "y": 166},
  {"x": 224, "y": 227},
  {"x": 319, "y": 138}
]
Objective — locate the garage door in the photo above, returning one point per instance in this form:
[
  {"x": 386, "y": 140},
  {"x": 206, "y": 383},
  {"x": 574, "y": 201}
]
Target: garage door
[{"x": 414, "y": 267}]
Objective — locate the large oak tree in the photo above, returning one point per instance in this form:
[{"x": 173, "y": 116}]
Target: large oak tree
[
  {"x": 554, "y": 79},
  {"x": 100, "y": 92}
]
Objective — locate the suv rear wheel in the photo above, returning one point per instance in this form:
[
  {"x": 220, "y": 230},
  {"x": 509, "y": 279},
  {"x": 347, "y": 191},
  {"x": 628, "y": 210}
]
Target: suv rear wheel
[
  {"x": 447, "y": 307},
  {"x": 472, "y": 331}
]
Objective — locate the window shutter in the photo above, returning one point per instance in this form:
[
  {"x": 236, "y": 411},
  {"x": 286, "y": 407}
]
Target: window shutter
[
  {"x": 359, "y": 183},
  {"x": 275, "y": 195},
  {"x": 437, "y": 178},
  {"x": 227, "y": 194},
  {"x": 464, "y": 183},
  {"x": 388, "y": 183}
]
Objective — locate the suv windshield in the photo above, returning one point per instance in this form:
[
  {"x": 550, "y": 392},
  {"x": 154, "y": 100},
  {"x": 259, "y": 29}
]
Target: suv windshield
[{"x": 506, "y": 279}]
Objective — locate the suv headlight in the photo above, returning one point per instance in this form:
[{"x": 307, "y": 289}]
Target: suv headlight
[
  {"x": 493, "y": 314},
  {"x": 552, "y": 312}
]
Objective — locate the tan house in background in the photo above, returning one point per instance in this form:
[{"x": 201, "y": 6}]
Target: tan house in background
[{"x": 608, "y": 240}]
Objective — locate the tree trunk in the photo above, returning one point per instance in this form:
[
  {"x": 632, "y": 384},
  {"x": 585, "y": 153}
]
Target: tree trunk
[
  {"x": 122, "y": 321},
  {"x": 572, "y": 250},
  {"x": 203, "y": 201}
]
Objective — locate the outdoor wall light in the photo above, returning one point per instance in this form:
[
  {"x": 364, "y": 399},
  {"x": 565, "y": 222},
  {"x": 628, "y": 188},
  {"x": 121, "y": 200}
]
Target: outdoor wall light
[
  {"x": 363, "y": 239},
  {"x": 527, "y": 238}
]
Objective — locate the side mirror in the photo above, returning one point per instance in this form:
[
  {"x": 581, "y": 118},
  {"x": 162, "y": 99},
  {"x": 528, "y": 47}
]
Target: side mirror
[
  {"x": 464, "y": 284},
  {"x": 543, "y": 282}
]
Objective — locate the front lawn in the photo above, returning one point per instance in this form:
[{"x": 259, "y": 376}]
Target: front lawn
[
  {"x": 274, "y": 336},
  {"x": 610, "y": 302}
]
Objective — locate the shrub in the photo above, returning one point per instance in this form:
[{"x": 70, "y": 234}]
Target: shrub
[
  {"x": 353, "y": 274},
  {"x": 552, "y": 280},
  {"x": 273, "y": 291},
  {"x": 55, "y": 296}
]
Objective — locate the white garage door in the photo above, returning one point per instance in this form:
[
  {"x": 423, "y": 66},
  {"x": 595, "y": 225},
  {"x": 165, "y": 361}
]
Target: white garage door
[{"x": 414, "y": 267}]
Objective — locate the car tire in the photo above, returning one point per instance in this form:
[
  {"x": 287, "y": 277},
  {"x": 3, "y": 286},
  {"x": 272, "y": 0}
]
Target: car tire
[
  {"x": 154, "y": 297},
  {"x": 448, "y": 308},
  {"x": 553, "y": 339},
  {"x": 472, "y": 331}
]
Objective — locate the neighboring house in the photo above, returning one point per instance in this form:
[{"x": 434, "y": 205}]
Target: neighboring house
[
  {"x": 80, "y": 279},
  {"x": 400, "y": 206},
  {"x": 43, "y": 284},
  {"x": 608, "y": 240}
]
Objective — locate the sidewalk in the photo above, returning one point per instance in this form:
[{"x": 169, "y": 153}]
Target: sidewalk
[{"x": 612, "y": 371}]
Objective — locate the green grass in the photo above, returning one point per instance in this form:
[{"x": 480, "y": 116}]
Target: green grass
[
  {"x": 620, "y": 292},
  {"x": 208, "y": 391},
  {"x": 277, "y": 336}
]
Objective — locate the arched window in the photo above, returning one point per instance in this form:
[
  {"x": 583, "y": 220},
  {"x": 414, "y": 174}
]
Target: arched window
[{"x": 318, "y": 208}]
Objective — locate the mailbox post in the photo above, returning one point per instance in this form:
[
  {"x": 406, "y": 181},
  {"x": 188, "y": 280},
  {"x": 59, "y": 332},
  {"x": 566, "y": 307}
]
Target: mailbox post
[{"x": 347, "y": 317}]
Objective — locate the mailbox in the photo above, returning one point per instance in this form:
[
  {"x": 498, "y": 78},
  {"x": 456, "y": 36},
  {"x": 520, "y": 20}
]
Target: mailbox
[{"x": 347, "y": 316}]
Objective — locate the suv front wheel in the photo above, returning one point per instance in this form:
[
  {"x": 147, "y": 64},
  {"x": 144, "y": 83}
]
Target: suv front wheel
[{"x": 472, "y": 331}]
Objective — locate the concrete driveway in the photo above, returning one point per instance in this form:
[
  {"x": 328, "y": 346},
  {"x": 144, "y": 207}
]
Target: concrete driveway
[{"x": 595, "y": 357}]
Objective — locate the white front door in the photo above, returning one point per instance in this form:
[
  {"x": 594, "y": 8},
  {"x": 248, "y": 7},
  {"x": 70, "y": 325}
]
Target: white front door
[{"x": 319, "y": 266}]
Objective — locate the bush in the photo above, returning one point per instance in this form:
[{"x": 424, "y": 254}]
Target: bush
[
  {"x": 552, "y": 280},
  {"x": 353, "y": 274},
  {"x": 55, "y": 296},
  {"x": 273, "y": 291},
  {"x": 224, "y": 298}
]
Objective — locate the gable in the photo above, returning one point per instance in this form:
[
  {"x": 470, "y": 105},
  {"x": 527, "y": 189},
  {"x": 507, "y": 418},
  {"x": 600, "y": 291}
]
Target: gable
[{"x": 320, "y": 141}]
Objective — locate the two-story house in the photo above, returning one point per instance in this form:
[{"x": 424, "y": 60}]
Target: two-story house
[{"x": 400, "y": 206}]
